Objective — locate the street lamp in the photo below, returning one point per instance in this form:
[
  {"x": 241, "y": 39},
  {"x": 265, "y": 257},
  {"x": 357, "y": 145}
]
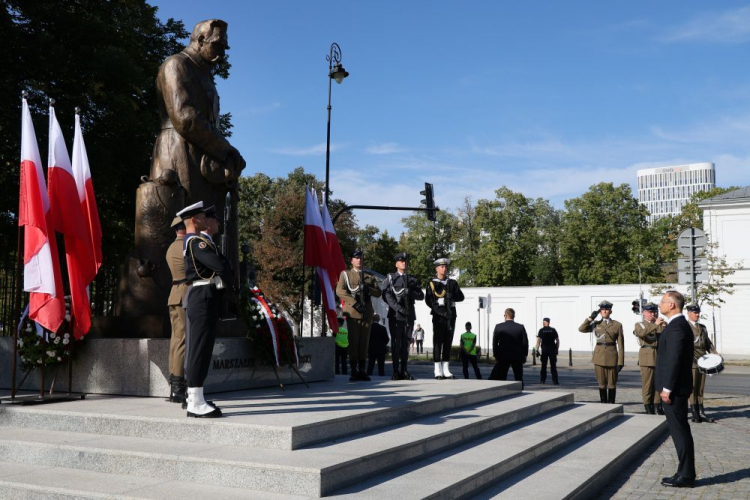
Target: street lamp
[{"x": 335, "y": 72}]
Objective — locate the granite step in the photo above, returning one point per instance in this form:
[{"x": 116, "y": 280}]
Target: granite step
[
  {"x": 473, "y": 467},
  {"x": 313, "y": 471},
  {"x": 583, "y": 468},
  {"x": 266, "y": 418},
  {"x": 22, "y": 482}
]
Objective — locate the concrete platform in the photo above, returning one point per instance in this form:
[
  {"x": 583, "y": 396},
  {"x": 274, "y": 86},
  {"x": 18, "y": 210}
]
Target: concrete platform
[{"x": 418, "y": 439}]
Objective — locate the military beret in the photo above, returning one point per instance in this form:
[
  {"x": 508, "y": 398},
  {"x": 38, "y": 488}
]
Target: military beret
[
  {"x": 651, "y": 307},
  {"x": 357, "y": 253},
  {"x": 605, "y": 304},
  {"x": 191, "y": 211},
  {"x": 401, "y": 256},
  {"x": 210, "y": 212},
  {"x": 175, "y": 222},
  {"x": 693, "y": 308},
  {"x": 443, "y": 261}
]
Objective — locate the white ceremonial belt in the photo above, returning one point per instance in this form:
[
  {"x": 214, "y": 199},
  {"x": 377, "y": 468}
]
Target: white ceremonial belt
[{"x": 202, "y": 282}]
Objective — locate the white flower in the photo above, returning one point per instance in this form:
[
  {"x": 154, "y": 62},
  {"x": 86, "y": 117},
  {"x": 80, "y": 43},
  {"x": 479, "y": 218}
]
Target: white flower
[
  {"x": 67, "y": 335},
  {"x": 51, "y": 354},
  {"x": 39, "y": 361},
  {"x": 52, "y": 335},
  {"x": 20, "y": 342},
  {"x": 23, "y": 359},
  {"x": 57, "y": 340},
  {"x": 66, "y": 341},
  {"x": 59, "y": 358}
]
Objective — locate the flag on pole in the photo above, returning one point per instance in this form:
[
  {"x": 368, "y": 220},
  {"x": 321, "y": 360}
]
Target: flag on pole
[
  {"x": 316, "y": 255},
  {"x": 41, "y": 272},
  {"x": 334, "y": 248},
  {"x": 67, "y": 218},
  {"x": 82, "y": 174}
]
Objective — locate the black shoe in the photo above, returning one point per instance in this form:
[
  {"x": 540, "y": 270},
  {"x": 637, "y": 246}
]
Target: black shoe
[
  {"x": 679, "y": 482},
  {"x": 556, "y": 382},
  {"x": 703, "y": 415},
  {"x": 214, "y": 414},
  {"x": 543, "y": 382},
  {"x": 396, "y": 376},
  {"x": 603, "y": 395},
  {"x": 178, "y": 389},
  {"x": 362, "y": 373},
  {"x": 406, "y": 376},
  {"x": 659, "y": 409},
  {"x": 696, "y": 415},
  {"x": 670, "y": 478}
]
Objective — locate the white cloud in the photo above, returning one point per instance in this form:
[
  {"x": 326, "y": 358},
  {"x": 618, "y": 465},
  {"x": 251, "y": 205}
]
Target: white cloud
[
  {"x": 730, "y": 27},
  {"x": 384, "y": 149},
  {"x": 316, "y": 150},
  {"x": 267, "y": 108}
]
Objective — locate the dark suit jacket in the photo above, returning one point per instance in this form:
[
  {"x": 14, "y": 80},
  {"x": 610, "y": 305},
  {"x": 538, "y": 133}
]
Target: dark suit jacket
[
  {"x": 510, "y": 342},
  {"x": 675, "y": 361},
  {"x": 378, "y": 340}
]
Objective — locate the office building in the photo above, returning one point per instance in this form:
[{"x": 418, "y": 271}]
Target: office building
[{"x": 665, "y": 190}]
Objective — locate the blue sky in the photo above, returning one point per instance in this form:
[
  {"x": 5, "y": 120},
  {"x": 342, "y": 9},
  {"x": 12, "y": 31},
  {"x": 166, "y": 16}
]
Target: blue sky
[{"x": 547, "y": 98}]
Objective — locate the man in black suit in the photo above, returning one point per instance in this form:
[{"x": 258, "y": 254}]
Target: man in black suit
[
  {"x": 378, "y": 346},
  {"x": 674, "y": 381},
  {"x": 510, "y": 346}
]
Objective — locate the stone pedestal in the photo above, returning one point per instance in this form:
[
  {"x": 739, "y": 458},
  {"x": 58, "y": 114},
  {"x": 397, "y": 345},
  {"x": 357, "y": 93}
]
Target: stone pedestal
[{"x": 138, "y": 367}]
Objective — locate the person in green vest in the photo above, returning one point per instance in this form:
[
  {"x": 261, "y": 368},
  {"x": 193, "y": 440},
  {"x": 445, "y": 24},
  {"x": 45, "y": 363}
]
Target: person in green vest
[
  {"x": 342, "y": 347},
  {"x": 469, "y": 352}
]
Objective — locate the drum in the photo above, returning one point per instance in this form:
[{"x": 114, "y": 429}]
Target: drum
[{"x": 711, "y": 364}]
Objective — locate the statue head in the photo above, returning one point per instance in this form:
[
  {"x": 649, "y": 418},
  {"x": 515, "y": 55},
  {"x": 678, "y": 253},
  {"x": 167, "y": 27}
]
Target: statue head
[{"x": 209, "y": 39}]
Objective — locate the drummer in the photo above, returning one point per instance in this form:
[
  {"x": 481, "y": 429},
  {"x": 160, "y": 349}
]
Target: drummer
[{"x": 701, "y": 345}]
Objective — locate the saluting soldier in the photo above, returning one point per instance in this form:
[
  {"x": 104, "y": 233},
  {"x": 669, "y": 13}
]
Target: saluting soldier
[
  {"x": 648, "y": 332},
  {"x": 209, "y": 274},
  {"x": 609, "y": 353},
  {"x": 176, "y": 264},
  {"x": 355, "y": 288},
  {"x": 701, "y": 345},
  {"x": 400, "y": 294},
  {"x": 441, "y": 296}
]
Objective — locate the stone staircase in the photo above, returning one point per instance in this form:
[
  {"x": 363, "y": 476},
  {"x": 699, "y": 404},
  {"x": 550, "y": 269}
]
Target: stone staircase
[{"x": 389, "y": 439}]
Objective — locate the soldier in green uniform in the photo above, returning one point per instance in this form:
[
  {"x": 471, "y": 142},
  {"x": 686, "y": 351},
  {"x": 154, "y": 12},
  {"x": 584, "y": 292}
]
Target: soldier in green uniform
[
  {"x": 609, "y": 353},
  {"x": 176, "y": 264},
  {"x": 355, "y": 288},
  {"x": 648, "y": 332},
  {"x": 701, "y": 345}
]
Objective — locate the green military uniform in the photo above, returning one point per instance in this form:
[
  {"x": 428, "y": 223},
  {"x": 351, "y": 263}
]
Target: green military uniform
[
  {"x": 648, "y": 337},
  {"x": 609, "y": 352},
  {"x": 356, "y": 295},
  {"x": 176, "y": 264},
  {"x": 701, "y": 345}
]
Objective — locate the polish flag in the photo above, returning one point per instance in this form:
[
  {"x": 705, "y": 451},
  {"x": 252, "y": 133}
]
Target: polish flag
[
  {"x": 317, "y": 255},
  {"x": 68, "y": 219},
  {"x": 41, "y": 271},
  {"x": 334, "y": 248},
  {"x": 82, "y": 174}
]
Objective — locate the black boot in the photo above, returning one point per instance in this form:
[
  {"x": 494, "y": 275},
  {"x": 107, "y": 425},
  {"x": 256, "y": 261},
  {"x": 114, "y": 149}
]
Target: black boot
[
  {"x": 651, "y": 409},
  {"x": 703, "y": 415},
  {"x": 648, "y": 409},
  {"x": 355, "y": 373},
  {"x": 363, "y": 372},
  {"x": 659, "y": 409},
  {"x": 696, "y": 415},
  {"x": 603, "y": 395},
  {"x": 611, "y": 393},
  {"x": 178, "y": 389}
]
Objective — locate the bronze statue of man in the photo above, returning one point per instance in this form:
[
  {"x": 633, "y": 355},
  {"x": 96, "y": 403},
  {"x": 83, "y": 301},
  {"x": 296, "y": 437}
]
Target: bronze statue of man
[{"x": 192, "y": 161}]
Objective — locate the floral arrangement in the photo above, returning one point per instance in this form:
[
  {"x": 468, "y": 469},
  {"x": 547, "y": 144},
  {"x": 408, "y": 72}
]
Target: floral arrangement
[
  {"x": 270, "y": 333},
  {"x": 40, "y": 347}
]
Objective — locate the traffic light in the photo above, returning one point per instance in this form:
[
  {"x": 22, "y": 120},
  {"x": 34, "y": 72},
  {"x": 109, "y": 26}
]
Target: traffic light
[
  {"x": 636, "y": 306},
  {"x": 428, "y": 201}
]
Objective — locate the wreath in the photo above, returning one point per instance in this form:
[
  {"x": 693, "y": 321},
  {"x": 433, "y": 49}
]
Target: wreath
[
  {"x": 270, "y": 333},
  {"x": 38, "y": 346}
]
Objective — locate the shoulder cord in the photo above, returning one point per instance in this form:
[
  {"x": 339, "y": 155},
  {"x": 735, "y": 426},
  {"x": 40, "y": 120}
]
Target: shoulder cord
[
  {"x": 192, "y": 258},
  {"x": 397, "y": 293},
  {"x": 435, "y": 293},
  {"x": 349, "y": 286}
]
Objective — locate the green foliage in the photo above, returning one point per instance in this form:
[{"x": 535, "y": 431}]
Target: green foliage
[
  {"x": 468, "y": 242},
  {"x": 426, "y": 241},
  {"x": 379, "y": 249},
  {"x": 605, "y": 235}
]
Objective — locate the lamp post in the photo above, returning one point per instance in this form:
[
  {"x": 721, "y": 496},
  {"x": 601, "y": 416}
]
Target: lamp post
[{"x": 335, "y": 72}]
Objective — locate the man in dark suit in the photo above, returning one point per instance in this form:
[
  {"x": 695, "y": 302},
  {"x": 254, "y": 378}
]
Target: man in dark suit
[
  {"x": 674, "y": 381},
  {"x": 510, "y": 346},
  {"x": 378, "y": 346}
]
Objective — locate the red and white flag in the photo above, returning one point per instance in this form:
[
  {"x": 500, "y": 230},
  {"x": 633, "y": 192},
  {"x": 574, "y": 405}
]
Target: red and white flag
[
  {"x": 41, "y": 272},
  {"x": 67, "y": 218},
  {"x": 334, "y": 248},
  {"x": 82, "y": 174},
  {"x": 317, "y": 255}
]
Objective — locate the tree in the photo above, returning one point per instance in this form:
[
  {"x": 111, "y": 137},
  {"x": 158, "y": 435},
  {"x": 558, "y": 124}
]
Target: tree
[
  {"x": 426, "y": 241},
  {"x": 605, "y": 236},
  {"x": 514, "y": 230},
  {"x": 379, "y": 249},
  {"x": 468, "y": 241}
]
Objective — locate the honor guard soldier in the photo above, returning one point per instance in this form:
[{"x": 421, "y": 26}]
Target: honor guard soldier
[
  {"x": 176, "y": 263},
  {"x": 701, "y": 345},
  {"x": 441, "y": 296},
  {"x": 400, "y": 291},
  {"x": 648, "y": 332},
  {"x": 209, "y": 274},
  {"x": 609, "y": 353},
  {"x": 355, "y": 288}
]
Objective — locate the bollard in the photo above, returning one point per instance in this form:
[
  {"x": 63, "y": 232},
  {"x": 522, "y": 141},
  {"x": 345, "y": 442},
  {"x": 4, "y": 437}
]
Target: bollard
[{"x": 570, "y": 357}]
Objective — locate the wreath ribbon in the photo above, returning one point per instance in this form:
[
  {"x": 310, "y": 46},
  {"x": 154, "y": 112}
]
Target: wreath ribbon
[{"x": 268, "y": 315}]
